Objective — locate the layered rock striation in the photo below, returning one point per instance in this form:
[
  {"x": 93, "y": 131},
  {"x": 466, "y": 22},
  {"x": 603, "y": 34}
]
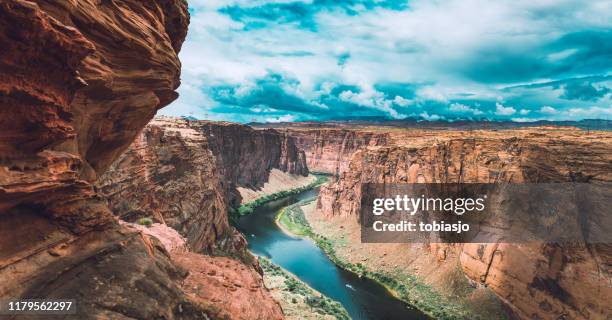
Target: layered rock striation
[
  {"x": 246, "y": 156},
  {"x": 186, "y": 174},
  {"x": 170, "y": 175},
  {"x": 329, "y": 150},
  {"x": 536, "y": 281},
  {"x": 79, "y": 80}
]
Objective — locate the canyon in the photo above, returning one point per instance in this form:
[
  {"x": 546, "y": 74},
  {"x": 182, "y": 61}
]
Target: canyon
[
  {"x": 72, "y": 100},
  {"x": 82, "y": 159},
  {"x": 534, "y": 281},
  {"x": 188, "y": 175}
]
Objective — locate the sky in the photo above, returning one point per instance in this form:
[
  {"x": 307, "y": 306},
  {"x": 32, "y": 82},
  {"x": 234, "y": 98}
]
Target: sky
[{"x": 301, "y": 60}]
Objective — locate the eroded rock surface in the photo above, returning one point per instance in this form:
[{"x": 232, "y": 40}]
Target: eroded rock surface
[
  {"x": 234, "y": 290},
  {"x": 186, "y": 174},
  {"x": 246, "y": 156},
  {"x": 536, "y": 281},
  {"x": 79, "y": 80},
  {"x": 170, "y": 174},
  {"x": 330, "y": 150}
]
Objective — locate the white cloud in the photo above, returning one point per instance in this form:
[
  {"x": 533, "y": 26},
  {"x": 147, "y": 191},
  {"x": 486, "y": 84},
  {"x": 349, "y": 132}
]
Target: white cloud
[
  {"x": 285, "y": 118},
  {"x": 461, "y": 108},
  {"x": 430, "y": 93},
  {"x": 400, "y": 101},
  {"x": 557, "y": 56},
  {"x": 384, "y": 46},
  {"x": 501, "y": 110},
  {"x": 370, "y": 97},
  {"x": 548, "y": 110},
  {"x": 524, "y": 112},
  {"x": 590, "y": 113},
  {"x": 430, "y": 117},
  {"x": 524, "y": 120}
]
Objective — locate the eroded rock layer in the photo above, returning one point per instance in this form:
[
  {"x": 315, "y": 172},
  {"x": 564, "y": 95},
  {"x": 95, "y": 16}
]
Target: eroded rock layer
[
  {"x": 169, "y": 174},
  {"x": 78, "y": 81},
  {"x": 186, "y": 173},
  {"x": 245, "y": 156},
  {"x": 329, "y": 150},
  {"x": 537, "y": 281}
]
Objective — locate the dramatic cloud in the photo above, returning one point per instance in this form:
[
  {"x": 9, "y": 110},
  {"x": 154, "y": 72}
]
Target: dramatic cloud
[
  {"x": 248, "y": 60},
  {"x": 500, "y": 110}
]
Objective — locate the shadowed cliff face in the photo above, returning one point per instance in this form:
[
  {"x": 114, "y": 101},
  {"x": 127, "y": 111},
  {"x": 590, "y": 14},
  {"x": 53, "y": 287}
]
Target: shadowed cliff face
[
  {"x": 330, "y": 150},
  {"x": 169, "y": 174},
  {"x": 79, "y": 80},
  {"x": 74, "y": 97},
  {"x": 536, "y": 281},
  {"x": 245, "y": 156},
  {"x": 185, "y": 174}
]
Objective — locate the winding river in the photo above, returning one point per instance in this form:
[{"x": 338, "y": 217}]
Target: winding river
[{"x": 362, "y": 298}]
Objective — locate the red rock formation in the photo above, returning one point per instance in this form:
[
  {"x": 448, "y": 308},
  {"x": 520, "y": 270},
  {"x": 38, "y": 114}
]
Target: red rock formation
[
  {"x": 535, "y": 281},
  {"x": 185, "y": 174},
  {"x": 245, "y": 156},
  {"x": 79, "y": 80},
  {"x": 236, "y": 291},
  {"x": 330, "y": 150},
  {"x": 170, "y": 174}
]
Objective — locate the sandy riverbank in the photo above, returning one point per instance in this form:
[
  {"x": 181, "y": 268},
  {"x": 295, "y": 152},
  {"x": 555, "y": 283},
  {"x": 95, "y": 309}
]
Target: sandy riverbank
[
  {"x": 297, "y": 299},
  {"x": 433, "y": 282},
  {"x": 278, "y": 181}
]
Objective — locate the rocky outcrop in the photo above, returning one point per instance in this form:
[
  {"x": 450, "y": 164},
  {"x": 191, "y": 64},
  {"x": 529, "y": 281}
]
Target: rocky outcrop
[
  {"x": 74, "y": 99},
  {"x": 245, "y": 156},
  {"x": 170, "y": 174},
  {"x": 234, "y": 290},
  {"x": 329, "y": 150},
  {"x": 220, "y": 283},
  {"x": 186, "y": 174},
  {"x": 536, "y": 281},
  {"x": 80, "y": 79}
]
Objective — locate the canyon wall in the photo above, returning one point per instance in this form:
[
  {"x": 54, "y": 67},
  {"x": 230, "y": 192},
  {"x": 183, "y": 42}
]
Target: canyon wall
[
  {"x": 329, "y": 150},
  {"x": 186, "y": 173},
  {"x": 536, "y": 281},
  {"x": 170, "y": 175},
  {"x": 79, "y": 82},
  {"x": 245, "y": 156}
]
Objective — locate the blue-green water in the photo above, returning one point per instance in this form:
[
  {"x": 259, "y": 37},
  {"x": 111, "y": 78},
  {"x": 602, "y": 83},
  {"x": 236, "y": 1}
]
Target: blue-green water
[{"x": 362, "y": 298}]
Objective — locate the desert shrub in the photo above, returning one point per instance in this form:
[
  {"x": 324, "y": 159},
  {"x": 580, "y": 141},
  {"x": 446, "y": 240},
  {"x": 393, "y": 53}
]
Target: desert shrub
[
  {"x": 244, "y": 210},
  {"x": 147, "y": 222},
  {"x": 319, "y": 304}
]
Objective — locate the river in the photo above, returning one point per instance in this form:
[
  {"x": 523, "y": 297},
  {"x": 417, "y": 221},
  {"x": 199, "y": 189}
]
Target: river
[{"x": 364, "y": 299}]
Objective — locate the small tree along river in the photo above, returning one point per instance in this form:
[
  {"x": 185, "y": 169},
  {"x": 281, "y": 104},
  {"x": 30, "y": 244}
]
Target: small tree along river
[{"x": 362, "y": 298}]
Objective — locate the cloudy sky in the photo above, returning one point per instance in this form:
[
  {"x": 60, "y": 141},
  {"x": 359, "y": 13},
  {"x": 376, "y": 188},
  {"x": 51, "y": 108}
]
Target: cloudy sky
[{"x": 293, "y": 60}]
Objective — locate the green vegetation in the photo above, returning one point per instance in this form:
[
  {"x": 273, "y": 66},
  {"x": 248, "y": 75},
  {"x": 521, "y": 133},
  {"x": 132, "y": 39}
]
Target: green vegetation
[
  {"x": 317, "y": 302},
  {"x": 292, "y": 218},
  {"x": 248, "y": 208},
  {"x": 409, "y": 289},
  {"x": 147, "y": 222}
]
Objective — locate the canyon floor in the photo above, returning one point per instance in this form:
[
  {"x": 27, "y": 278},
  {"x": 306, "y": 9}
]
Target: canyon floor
[
  {"x": 531, "y": 281},
  {"x": 414, "y": 268}
]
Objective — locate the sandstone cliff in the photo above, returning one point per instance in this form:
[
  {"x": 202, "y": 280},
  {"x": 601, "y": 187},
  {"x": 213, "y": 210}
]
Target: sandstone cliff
[
  {"x": 329, "y": 150},
  {"x": 170, "y": 174},
  {"x": 186, "y": 174},
  {"x": 246, "y": 156},
  {"x": 535, "y": 281},
  {"x": 79, "y": 82}
]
